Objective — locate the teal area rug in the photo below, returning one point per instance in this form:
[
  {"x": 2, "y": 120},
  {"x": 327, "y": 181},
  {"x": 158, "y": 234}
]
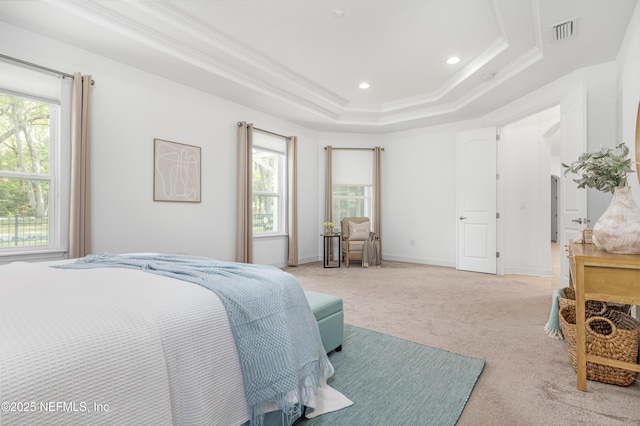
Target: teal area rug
[{"x": 392, "y": 381}]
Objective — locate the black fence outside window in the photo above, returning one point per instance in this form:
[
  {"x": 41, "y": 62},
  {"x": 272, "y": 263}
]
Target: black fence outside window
[
  {"x": 23, "y": 231},
  {"x": 262, "y": 223},
  {"x": 30, "y": 231}
]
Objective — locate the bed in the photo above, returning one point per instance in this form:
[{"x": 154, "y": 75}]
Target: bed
[{"x": 115, "y": 345}]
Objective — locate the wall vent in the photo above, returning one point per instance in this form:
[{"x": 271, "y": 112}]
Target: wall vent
[{"x": 564, "y": 30}]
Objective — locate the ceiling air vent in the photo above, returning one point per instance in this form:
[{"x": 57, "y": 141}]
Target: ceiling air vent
[{"x": 564, "y": 30}]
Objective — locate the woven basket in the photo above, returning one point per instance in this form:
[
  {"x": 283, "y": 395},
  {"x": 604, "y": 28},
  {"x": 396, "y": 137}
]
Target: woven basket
[
  {"x": 607, "y": 339},
  {"x": 592, "y": 307}
]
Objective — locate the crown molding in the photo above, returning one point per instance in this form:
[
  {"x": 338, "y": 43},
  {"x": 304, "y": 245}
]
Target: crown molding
[
  {"x": 282, "y": 84},
  {"x": 498, "y": 46},
  {"x": 514, "y": 68},
  {"x": 191, "y": 26},
  {"x": 169, "y": 46}
]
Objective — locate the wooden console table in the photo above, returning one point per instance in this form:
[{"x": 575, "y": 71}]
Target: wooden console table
[{"x": 599, "y": 275}]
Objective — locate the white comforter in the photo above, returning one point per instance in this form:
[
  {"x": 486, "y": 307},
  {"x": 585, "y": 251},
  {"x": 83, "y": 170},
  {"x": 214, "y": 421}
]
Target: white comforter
[{"x": 114, "y": 346}]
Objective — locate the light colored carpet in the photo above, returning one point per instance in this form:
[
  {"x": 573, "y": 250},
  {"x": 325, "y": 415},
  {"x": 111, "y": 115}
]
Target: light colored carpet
[
  {"x": 527, "y": 378},
  {"x": 378, "y": 370}
]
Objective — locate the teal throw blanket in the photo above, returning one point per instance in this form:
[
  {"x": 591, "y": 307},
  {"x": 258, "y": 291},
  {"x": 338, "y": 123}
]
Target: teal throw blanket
[
  {"x": 552, "y": 328},
  {"x": 276, "y": 334}
]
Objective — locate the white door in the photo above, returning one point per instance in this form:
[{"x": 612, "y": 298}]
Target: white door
[
  {"x": 476, "y": 193},
  {"x": 573, "y": 201}
]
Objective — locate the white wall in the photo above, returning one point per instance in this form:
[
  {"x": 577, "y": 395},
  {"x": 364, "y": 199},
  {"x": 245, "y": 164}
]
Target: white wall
[
  {"x": 419, "y": 173},
  {"x": 601, "y": 125},
  {"x": 420, "y": 170},
  {"x": 628, "y": 96},
  {"x": 599, "y": 81},
  {"x": 628, "y": 91},
  {"x": 419, "y": 210},
  {"x": 130, "y": 109}
]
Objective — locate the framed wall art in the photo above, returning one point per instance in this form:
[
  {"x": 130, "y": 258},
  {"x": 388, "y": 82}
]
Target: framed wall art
[{"x": 176, "y": 172}]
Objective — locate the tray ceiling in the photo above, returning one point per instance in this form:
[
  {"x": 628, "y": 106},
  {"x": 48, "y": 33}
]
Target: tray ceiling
[{"x": 300, "y": 61}]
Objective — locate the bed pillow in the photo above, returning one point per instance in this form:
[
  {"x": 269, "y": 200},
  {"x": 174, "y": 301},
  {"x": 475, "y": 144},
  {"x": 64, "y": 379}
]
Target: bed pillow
[{"x": 358, "y": 231}]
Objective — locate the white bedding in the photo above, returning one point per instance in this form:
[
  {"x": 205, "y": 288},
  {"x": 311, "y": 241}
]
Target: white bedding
[{"x": 159, "y": 352}]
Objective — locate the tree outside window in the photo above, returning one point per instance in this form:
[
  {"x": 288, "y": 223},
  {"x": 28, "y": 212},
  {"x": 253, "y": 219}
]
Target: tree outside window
[
  {"x": 352, "y": 201},
  {"x": 268, "y": 191},
  {"x": 25, "y": 178}
]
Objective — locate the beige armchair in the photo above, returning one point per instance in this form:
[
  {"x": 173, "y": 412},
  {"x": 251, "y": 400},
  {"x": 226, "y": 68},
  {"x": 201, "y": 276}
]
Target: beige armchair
[{"x": 353, "y": 237}]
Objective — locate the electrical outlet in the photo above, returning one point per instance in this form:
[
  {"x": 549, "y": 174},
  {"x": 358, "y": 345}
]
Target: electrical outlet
[{"x": 413, "y": 242}]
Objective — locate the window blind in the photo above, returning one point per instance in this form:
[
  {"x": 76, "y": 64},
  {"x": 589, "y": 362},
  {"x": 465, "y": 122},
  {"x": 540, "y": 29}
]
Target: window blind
[
  {"x": 22, "y": 81},
  {"x": 352, "y": 167}
]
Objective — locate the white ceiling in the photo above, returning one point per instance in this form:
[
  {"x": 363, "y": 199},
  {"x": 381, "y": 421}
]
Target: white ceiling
[{"x": 293, "y": 59}]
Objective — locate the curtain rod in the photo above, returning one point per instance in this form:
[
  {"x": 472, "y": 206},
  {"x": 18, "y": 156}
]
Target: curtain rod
[
  {"x": 353, "y": 149},
  {"x": 51, "y": 70},
  {"x": 266, "y": 131},
  {"x": 40, "y": 67}
]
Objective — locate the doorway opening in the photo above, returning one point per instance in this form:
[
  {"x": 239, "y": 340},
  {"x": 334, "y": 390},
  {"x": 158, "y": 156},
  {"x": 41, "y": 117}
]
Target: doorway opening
[{"x": 530, "y": 202}]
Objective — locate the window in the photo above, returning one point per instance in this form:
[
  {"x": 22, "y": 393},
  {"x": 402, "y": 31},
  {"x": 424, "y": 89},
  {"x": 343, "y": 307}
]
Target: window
[
  {"x": 30, "y": 187},
  {"x": 352, "y": 201},
  {"x": 269, "y": 175},
  {"x": 26, "y": 182},
  {"x": 352, "y": 187}
]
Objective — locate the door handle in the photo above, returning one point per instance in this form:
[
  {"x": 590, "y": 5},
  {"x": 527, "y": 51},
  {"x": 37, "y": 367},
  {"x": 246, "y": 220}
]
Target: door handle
[
  {"x": 578, "y": 220},
  {"x": 463, "y": 217}
]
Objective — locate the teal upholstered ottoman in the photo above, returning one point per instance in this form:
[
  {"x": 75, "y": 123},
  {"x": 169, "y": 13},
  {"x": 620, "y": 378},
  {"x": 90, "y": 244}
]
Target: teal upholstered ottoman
[{"x": 328, "y": 312}]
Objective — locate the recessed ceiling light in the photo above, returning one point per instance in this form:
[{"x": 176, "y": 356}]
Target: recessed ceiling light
[
  {"x": 337, "y": 13},
  {"x": 364, "y": 85},
  {"x": 453, "y": 60}
]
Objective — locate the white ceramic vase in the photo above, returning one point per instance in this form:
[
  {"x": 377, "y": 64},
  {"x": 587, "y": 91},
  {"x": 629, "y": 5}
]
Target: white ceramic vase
[{"x": 618, "y": 229}]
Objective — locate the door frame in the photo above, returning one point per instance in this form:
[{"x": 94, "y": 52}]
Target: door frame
[
  {"x": 550, "y": 102},
  {"x": 555, "y": 181},
  {"x": 543, "y": 158}
]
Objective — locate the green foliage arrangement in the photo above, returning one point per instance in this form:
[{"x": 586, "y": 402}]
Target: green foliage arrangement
[
  {"x": 328, "y": 225},
  {"x": 603, "y": 169}
]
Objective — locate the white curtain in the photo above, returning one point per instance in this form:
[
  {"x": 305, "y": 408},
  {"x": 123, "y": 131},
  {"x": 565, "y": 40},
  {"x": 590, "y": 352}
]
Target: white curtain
[
  {"x": 292, "y": 186},
  {"x": 80, "y": 236},
  {"x": 244, "y": 240}
]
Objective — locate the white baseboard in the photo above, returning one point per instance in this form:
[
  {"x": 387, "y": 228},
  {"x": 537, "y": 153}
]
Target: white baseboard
[
  {"x": 309, "y": 260},
  {"x": 534, "y": 272},
  {"x": 432, "y": 262}
]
